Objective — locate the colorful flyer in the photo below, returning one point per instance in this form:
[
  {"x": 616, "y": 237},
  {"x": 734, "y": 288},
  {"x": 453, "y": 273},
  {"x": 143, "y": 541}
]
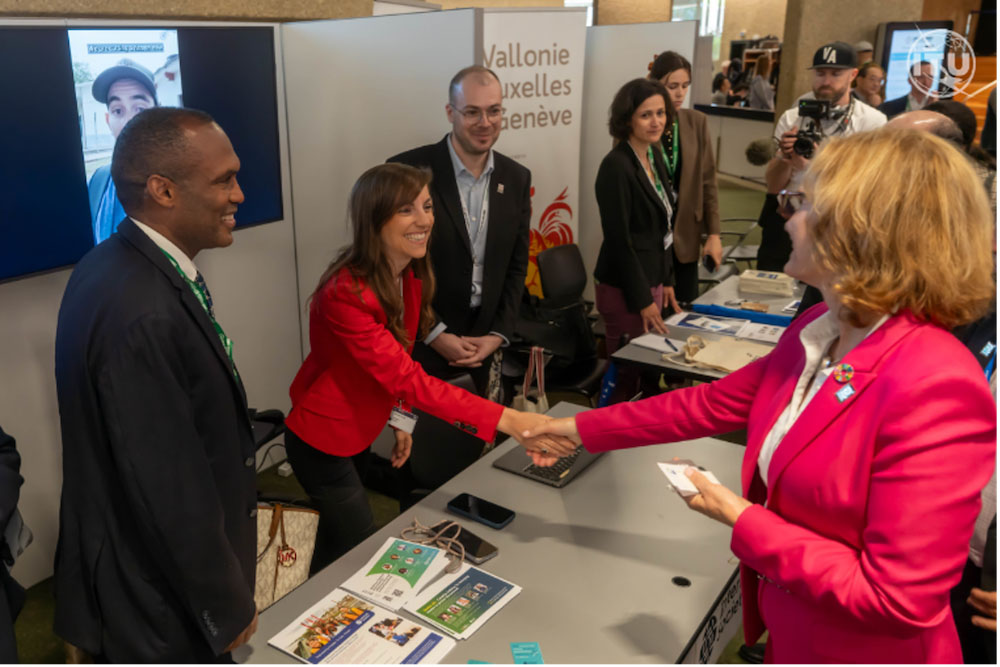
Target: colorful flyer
[
  {"x": 343, "y": 628},
  {"x": 397, "y": 572},
  {"x": 460, "y": 603}
]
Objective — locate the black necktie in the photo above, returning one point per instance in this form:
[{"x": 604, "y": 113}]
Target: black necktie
[{"x": 208, "y": 295}]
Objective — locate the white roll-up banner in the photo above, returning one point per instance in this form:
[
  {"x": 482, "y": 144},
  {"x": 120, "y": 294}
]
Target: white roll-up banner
[{"x": 538, "y": 56}]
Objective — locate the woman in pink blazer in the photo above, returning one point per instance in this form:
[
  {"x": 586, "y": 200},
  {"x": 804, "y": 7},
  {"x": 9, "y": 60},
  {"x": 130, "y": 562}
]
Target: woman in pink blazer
[{"x": 870, "y": 428}]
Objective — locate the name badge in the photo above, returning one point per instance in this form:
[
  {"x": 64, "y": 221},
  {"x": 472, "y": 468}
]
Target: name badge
[
  {"x": 668, "y": 241},
  {"x": 403, "y": 420}
]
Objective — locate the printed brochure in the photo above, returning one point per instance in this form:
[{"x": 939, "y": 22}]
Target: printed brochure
[{"x": 343, "y": 628}]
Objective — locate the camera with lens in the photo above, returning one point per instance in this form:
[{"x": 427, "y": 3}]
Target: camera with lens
[{"x": 809, "y": 136}]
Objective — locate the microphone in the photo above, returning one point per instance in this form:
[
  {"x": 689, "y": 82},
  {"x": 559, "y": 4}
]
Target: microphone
[{"x": 760, "y": 151}]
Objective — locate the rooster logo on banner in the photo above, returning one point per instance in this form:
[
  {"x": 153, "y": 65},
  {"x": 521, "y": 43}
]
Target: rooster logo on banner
[{"x": 553, "y": 229}]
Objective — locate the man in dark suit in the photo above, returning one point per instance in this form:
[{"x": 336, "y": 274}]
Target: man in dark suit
[
  {"x": 157, "y": 529},
  {"x": 479, "y": 243},
  {"x": 921, "y": 80},
  {"x": 11, "y": 593}
]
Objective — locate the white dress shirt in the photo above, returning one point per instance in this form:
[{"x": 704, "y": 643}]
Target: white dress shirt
[
  {"x": 816, "y": 338},
  {"x": 167, "y": 246}
]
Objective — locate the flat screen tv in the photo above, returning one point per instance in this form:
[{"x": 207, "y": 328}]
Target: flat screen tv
[{"x": 66, "y": 93}]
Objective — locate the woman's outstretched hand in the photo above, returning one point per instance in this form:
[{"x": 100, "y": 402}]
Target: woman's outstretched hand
[{"x": 544, "y": 448}]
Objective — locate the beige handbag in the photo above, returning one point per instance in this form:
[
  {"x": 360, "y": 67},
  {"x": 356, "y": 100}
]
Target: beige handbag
[
  {"x": 728, "y": 355},
  {"x": 524, "y": 402},
  {"x": 286, "y": 537}
]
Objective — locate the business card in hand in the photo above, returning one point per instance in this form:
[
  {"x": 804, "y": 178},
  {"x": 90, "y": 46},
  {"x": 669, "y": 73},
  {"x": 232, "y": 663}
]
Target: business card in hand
[{"x": 675, "y": 475}]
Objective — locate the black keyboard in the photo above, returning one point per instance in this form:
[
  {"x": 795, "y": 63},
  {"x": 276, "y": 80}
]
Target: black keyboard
[{"x": 556, "y": 471}]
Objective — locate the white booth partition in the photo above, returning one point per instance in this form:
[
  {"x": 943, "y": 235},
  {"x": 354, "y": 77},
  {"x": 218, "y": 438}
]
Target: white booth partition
[
  {"x": 616, "y": 54},
  {"x": 359, "y": 91}
]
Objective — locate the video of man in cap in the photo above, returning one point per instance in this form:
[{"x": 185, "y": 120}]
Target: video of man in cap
[{"x": 118, "y": 74}]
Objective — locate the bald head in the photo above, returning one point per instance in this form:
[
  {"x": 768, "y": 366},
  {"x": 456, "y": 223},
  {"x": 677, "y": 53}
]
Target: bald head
[{"x": 930, "y": 121}]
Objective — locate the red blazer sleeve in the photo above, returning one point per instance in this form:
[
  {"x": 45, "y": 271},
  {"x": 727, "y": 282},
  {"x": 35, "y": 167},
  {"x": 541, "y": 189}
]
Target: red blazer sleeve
[
  {"x": 351, "y": 318},
  {"x": 934, "y": 453}
]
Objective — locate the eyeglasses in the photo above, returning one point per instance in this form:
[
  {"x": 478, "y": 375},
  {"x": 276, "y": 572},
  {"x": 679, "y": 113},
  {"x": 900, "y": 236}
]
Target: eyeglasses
[
  {"x": 473, "y": 114},
  {"x": 421, "y": 534},
  {"x": 790, "y": 201}
]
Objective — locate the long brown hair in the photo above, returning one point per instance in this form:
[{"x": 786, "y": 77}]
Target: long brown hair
[{"x": 374, "y": 200}]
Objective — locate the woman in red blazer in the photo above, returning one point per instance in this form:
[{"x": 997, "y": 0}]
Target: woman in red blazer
[
  {"x": 371, "y": 304},
  {"x": 870, "y": 428}
]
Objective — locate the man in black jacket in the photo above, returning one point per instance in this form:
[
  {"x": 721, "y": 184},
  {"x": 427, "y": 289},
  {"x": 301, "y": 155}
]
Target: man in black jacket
[
  {"x": 479, "y": 251},
  {"x": 479, "y": 243},
  {"x": 11, "y": 593},
  {"x": 157, "y": 528},
  {"x": 921, "y": 79}
]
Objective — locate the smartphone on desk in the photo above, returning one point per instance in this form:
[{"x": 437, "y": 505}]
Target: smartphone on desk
[
  {"x": 477, "y": 550},
  {"x": 483, "y": 511}
]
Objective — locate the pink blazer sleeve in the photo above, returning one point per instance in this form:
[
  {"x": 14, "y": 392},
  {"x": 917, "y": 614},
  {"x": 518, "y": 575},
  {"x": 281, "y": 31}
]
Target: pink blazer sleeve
[
  {"x": 933, "y": 454},
  {"x": 707, "y": 409},
  {"x": 352, "y": 322}
]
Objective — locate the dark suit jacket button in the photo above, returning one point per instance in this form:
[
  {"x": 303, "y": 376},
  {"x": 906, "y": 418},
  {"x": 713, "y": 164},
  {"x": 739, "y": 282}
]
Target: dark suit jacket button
[
  {"x": 472, "y": 429},
  {"x": 253, "y": 513},
  {"x": 249, "y": 462}
]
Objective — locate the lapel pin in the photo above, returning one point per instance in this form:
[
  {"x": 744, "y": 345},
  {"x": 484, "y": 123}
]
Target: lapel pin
[
  {"x": 843, "y": 373},
  {"x": 500, "y": 188},
  {"x": 988, "y": 349},
  {"x": 845, "y": 393}
]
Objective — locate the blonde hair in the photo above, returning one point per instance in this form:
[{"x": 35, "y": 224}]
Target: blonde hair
[{"x": 902, "y": 222}]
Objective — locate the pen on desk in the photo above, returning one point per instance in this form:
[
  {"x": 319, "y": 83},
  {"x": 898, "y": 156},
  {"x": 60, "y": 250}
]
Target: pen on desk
[{"x": 671, "y": 345}]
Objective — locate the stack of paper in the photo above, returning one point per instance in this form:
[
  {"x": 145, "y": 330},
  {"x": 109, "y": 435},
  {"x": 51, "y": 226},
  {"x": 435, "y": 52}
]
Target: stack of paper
[
  {"x": 767, "y": 282},
  {"x": 763, "y": 333},
  {"x": 347, "y": 626}
]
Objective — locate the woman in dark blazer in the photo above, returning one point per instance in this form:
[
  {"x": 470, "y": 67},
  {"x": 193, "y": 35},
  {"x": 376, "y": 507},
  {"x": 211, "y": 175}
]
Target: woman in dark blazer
[
  {"x": 371, "y": 304},
  {"x": 687, "y": 152},
  {"x": 633, "y": 275}
]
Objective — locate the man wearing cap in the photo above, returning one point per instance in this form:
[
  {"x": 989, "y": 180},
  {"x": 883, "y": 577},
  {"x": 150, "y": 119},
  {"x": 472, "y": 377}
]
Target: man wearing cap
[
  {"x": 834, "y": 67},
  {"x": 126, "y": 89},
  {"x": 865, "y": 50},
  {"x": 921, "y": 80}
]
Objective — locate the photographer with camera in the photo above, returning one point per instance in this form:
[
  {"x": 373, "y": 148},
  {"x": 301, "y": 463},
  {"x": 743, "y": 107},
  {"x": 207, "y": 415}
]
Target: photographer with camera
[{"x": 829, "y": 111}]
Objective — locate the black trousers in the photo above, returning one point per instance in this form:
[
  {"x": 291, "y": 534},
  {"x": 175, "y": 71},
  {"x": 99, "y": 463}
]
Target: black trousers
[
  {"x": 775, "y": 243},
  {"x": 334, "y": 486},
  {"x": 978, "y": 645},
  {"x": 685, "y": 280}
]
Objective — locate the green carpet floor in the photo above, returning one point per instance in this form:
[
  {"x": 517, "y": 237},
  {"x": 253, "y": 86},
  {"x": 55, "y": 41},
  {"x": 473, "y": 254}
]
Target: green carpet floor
[{"x": 35, "y": 640}]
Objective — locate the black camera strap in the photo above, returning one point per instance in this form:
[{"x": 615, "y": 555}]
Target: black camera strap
[{"x": 843, "y": 117}]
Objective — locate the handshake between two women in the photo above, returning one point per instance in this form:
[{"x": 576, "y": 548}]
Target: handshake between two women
[{"x": 545, "y": 446}]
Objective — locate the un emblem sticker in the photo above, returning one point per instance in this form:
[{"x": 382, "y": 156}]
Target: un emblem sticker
[{"x": 955, "y": 71}]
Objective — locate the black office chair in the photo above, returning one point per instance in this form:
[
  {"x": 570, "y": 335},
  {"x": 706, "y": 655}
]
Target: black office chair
[{"x": 564, "y": 328}]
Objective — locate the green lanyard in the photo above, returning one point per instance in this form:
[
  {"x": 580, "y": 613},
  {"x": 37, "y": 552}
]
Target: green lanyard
[
  {"x": 656, "y": 177},
  {"x": 227, "y": 343},
  {"x": 671, "y": 160}
]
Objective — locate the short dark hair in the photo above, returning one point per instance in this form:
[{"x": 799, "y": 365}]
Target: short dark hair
[
  {"x": 717, "y": 82},
  {"x": 629, "y": 98},
  {"x": 667, "y": 63},
  {"x": 152, "y": 143},
  {"x": 963, "y": 117},
  {"x": 915, "y": 68},
  {"x": 456, "y": 80}
]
